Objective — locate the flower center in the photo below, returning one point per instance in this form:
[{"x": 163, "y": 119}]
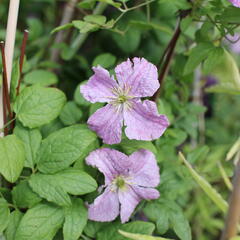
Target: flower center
[
  {"x": 122, "y": 98},
  {"x": 120, "y": 182}
]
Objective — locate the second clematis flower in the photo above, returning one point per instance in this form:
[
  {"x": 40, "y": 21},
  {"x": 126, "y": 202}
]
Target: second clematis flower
[
  {"x": 134, "y": 80},
  {"x": 128, "y": 180},
  {"x": 235, "y": 3}
]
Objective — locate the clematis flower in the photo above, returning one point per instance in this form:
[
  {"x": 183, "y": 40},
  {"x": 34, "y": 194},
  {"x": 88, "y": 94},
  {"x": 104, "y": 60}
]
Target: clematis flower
[
  {"x": 128, "y": 180},
  {"x": 235, "y": 3},
  {"x": 134, "y": 80}
]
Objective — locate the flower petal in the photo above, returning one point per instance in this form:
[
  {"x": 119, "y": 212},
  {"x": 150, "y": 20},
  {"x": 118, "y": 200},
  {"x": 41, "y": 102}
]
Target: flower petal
[
  {"x": 146, "y": 193},
  {"x": 107, "y": 122},
  {"x": 99, "y": 86},
  {"x": 128, "y": 200},
  {"x": 105, "y": 207},
  {"x": 109, "y": 161},
  {"x": 144, "y": 169},
  {"x": 235, "y": 3},
  {"x": 143, "y": 121},
  {"x": 141, "y": 76}
]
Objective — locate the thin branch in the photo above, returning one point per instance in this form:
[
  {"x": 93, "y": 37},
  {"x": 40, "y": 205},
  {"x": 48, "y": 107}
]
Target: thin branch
[
  {"x": 23, "y": 48},
  {"x": 5, "y": 81},
  {"x": 233, "y": 216},
  {"x": 169, "y": 54}
]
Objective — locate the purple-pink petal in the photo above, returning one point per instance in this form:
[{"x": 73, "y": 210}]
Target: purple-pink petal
[
  {"x": 143, "y": 121},
  {"x": 144, "y": 169},
  {"x": 146, "y": 193},
  {"x": 99, "y": 86},
  {"x": 235, "y": 3},
  {"x": 105, "y": 207},
  {"x": 140, "y": 75},
  {"x": 107, "y": 122},
  {"x": 128, "y": 200},
  {"x": 109, "y": 161}
]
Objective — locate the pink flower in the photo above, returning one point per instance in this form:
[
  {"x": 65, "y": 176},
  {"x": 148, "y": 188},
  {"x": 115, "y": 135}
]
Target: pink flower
[
  {"x": 235, "y": 3},
  {"x": 128, "y": 180},
  {"x": 134, "y": 80}
]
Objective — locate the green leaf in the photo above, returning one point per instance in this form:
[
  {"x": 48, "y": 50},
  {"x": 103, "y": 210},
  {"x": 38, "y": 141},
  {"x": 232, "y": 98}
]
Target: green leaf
[
  {"x": 32, "y": 140},
  {"x": 51, "y": 127},
  {"x": 206, "y": 187},
  {"x": 40, "y": 222},
  {"x": 4, "y": 214},
  {"x": 180, "y": 225},
  {"x": 231, "y": 15},
  {"x": 213, "y": 59},
  {"x": 140, "y": 236},
  {"x": 75, "y": 220},
  {"x": 41, "y": 78},
  {"x": 111, "y": 231},
  {"x": 227, "y": 74},
  {"x": 36, "y": 106},
  {"x": 85, "y": 27},
  {"x": 150, "y": 25},
  {"x": 78, "y": 97},
  {"x": 55, "y": 187},
  {"x": 62, "y": 27},
  {"x": 130, "y": 146},
  {"x": 128, "y": 42},
  {"x": 105, "y": 60},
  {"x": 12, "y": 157},
  {"x": 14, "y": 81},
  {"x": 111, "y": 2},
  {"x": 62, "y": 148},
  {"x": 96, "y": 19},
  {"x": 70, "y": 114},
  {"x": 41, "y": 185},
  {"x": 14, "y": 221},
  {"x": 87, "y": 4},
  {"x": 197, "y": 55},
  {"x": 23, "y": 196}
]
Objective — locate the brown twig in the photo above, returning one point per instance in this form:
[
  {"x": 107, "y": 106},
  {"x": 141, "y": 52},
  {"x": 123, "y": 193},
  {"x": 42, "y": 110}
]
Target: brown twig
[
  {"x": 233, "y": 216},
  {"x": 23, "y": 48},
  {"x": 168, "y": 53},
  {"x": 5, "y": 81},
  {"x": 5, "y": 130}
]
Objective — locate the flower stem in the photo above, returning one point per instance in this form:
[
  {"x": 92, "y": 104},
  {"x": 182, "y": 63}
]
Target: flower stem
[{"x": 233, "y": 216}]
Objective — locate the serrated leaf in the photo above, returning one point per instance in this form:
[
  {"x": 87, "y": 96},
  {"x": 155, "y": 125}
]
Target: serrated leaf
[
  {"x": 55, "y": 187},
  {"x": 70, "y": 114},
  {"x": 75, "y": 220},
  {"x": 31, "y": 139},
  {"x": 36, "y": 106},
  {"x": 140, "y": 236},
  {"x": 62, "y": 148},
  {"x": 197, "y": 55},
  {"x": 4, "y": 214},
  {"x": 12, "y": 157},
  {"x": 206, "y": 187},
  {"x": 23, "y": 196},
  {"x": 14, "y": 221},
  {"x": 40, "y": 222},
  {"x": 41, "y": 185},
  {"x": 41, "y": 78}
]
